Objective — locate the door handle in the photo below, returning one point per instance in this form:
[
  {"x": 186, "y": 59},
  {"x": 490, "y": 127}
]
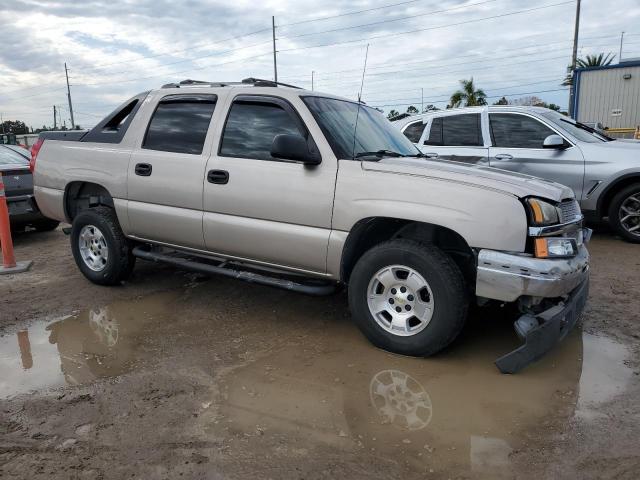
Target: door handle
[
  {"x": 431, "y": 155},
  {"x": 143, "y": 169},
  {"x": 503, "y": 156},
  {"x": 221, "y": 177}
]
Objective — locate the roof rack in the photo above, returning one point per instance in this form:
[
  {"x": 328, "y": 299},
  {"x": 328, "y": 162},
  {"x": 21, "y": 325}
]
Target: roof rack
[{"x": 256, "y": 82}]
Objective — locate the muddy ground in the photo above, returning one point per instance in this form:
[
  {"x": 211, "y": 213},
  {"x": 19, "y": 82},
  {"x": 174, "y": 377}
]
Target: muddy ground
[{"x": 177, "y": 375}]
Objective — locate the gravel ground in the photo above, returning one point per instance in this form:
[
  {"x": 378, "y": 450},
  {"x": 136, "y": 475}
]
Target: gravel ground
[{"x": 175, "y": 374}]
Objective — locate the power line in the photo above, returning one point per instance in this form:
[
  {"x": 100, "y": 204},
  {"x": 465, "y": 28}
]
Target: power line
[
  {"x": 396, "y": 34},
  {"x": 392, "y": 20}
]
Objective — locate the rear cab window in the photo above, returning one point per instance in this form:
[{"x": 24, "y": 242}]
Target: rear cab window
[{"x": 180, "y": 123}]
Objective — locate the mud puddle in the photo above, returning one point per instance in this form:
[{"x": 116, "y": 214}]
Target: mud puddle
[
  {"x": 296, "y": 380},
  {"x": 76, "y": 349}
]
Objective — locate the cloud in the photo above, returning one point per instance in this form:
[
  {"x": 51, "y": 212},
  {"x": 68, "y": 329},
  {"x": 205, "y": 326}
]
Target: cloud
[{"x": 117, "y": 49}]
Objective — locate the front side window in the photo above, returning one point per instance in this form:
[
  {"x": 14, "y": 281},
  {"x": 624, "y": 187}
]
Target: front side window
[
  {"x": 180, "y": 124},
  {"x": 509, "y": 130},
  {"x": 414, "y": 131},
  {"x": 435, "y": 132},
  {"x": 353, "y": 129},
  {"x": 252, "y": 126}
]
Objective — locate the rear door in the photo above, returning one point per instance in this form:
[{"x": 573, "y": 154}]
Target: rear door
[
  {"x": 517, "y": 140},
  {"x": 166, "y": 171},
  {"x": 261, "y": 208},
  {"x": 456, "y": 137}
]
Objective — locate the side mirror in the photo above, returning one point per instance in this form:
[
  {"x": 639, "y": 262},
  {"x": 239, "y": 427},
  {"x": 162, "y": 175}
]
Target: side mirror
[
  {"x": 293, "y": 147},
  {"x": 555, "y": 142}
]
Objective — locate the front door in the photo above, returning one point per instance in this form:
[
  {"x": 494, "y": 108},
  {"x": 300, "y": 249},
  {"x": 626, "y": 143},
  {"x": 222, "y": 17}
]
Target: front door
[
  {"x": 517, "y": 141},
  {"x": 166, "y": 172},
  {"x": 261, "y": 208}
]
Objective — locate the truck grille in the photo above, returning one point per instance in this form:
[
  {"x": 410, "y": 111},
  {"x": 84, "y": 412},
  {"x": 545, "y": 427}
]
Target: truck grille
[{"x": 569, "y": 210}]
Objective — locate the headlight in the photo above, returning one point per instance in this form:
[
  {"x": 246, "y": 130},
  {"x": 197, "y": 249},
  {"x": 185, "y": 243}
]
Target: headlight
[
  {"x": 543, "y": 213},
  {"x": 555, "y": 247}
]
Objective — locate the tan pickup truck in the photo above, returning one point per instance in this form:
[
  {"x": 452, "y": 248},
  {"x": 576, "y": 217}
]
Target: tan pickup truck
[{"x": 277, "y": 185}]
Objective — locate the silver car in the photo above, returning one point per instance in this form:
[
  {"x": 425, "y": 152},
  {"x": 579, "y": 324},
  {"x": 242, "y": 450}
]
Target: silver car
[{"x": 604, "y": 173}]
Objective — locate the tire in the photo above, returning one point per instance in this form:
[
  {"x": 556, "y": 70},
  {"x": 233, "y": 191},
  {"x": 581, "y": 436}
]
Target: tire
[
  {"x": 625, "y": 201},
  {"x": 101, "y": 225},
  {"x": 445, "y": 291},
  {"x": 46, "y": 225}
]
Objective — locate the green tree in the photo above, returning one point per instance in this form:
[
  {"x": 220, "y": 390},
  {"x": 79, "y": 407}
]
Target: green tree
[
  {"x": 411, "y": 110},
  {"x": 430, "y": 108},
  {"x": 392, "y": 114},
  {"x": 589, "y": 61},
  {"x": 14, "y": 126},
  {"x": 502, "y": 101},
  {"x": 468, "y": 95}
]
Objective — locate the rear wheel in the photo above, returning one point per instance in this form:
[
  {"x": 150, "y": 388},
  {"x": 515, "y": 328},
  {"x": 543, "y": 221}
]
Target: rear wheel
[
  {"x": 624, "y": 213},
  {"x": 408, "y": 297},
  {"x": 100, "y": 249}
]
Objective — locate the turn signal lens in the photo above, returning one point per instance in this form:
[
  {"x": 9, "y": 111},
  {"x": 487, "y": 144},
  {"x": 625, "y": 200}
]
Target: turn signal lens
[{"x": 543, "y": 213}]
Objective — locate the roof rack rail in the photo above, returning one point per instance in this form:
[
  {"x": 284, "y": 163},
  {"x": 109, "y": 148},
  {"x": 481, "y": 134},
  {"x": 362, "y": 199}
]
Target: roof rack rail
[
  {"x": 259, "y": 82},
  {"x": 256, "y": 82},
  {"x": 189, "y": 83}
]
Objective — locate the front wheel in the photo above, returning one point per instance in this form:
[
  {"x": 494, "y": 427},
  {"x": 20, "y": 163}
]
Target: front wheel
[
  {"x": 408, "y": 297},
  {"x": 100, "y": 249},
  {"x": 624, "y": 213}
]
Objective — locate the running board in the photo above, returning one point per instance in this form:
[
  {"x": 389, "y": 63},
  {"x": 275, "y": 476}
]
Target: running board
[{"x": 189, "y": 264}]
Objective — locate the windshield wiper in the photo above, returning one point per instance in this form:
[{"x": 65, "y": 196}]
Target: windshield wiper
[{"x": 379, "y": 154}]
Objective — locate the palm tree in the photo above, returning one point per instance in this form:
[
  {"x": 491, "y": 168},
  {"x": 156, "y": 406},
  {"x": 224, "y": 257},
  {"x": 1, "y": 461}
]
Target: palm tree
[
  {"x": 589, "y": 61},
  {"x": 468, "y": 95}
]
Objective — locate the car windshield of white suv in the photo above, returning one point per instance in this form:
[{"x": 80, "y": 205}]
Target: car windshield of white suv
[
  {"x": 580, "y": 131},
  {"x": 356, "y": 131}
]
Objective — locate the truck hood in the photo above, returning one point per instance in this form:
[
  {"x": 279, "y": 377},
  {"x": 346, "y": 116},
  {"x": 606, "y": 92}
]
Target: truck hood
[{"x": 512, "y": 183}]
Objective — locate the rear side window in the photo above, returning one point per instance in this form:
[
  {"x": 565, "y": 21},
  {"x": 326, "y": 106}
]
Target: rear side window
[
  {"x": 180, "y": 124},
  {"x": 517, "y": 131},
  {"x": 252, "y": 126},
  {"x": 435, "y": 132},
  {"x": 414, "y": 131},
  {"x": 462, "y": 130},
  {"x": 113, "y": 127}
]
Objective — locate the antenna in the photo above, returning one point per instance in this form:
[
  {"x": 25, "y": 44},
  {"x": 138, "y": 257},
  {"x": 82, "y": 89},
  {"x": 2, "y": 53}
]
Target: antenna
[{"x": 364, "y": 71}]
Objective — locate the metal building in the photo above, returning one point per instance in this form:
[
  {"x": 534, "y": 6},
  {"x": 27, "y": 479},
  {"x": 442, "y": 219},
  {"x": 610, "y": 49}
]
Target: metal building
[{"x": 609, "y": 95}]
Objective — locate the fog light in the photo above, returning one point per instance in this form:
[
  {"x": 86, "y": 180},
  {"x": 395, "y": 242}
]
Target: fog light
[{"x": 555, "y": 247}]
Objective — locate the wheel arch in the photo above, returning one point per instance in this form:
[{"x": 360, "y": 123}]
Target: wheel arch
[
  {"x": 368, "y": 232},
  {"x": 604, "y": 202},
  {"x": 80, "y": 195}
]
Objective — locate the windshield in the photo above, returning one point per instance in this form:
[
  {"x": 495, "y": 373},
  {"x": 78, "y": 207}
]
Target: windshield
[
  {"x": 352, "y": 133},
  {"x": 578, "y": 130},
  {"x": 9, "y": 157}
]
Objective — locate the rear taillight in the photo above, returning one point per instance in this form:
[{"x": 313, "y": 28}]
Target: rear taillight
[{"x": 34, "y": 153}]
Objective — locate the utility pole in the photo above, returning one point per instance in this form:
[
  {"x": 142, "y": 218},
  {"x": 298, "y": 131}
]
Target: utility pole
[
  {"x": 422, "y": 100},
  {"x": 574, "y": 58},
  {"x": 2, "y": 123},
  {"x": 275, "y": 65},
  {"x": 66, "y": 73},
  {"x": 312, "y": 72},
  {"x": 620, "y": 54},
  {"x": 55, "y": 125}
]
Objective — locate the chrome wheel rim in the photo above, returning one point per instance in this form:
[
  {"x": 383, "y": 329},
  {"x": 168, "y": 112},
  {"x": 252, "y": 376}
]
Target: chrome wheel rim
[
  {"x": 93, "y": 248},
  {"x": 400, "y": 300},
  {"x": 629, "y": 214}
]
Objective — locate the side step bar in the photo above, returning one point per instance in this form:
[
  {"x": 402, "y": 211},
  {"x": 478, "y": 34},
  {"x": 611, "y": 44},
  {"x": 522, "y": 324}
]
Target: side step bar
[{"x": 189, "y": 264}]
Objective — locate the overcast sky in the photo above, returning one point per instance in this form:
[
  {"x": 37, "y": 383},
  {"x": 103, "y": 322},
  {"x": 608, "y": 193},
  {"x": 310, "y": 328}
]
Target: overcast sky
[{"x": 115, "y": 49}]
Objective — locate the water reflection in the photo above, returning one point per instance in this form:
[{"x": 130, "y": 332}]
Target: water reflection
[
  {"x": 77, "y": 349},
  {"x": 400, "y": 399}
]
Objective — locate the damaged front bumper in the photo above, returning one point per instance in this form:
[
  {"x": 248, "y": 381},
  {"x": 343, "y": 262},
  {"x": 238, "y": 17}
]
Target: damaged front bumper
[{"x": 563, "y": 283}]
